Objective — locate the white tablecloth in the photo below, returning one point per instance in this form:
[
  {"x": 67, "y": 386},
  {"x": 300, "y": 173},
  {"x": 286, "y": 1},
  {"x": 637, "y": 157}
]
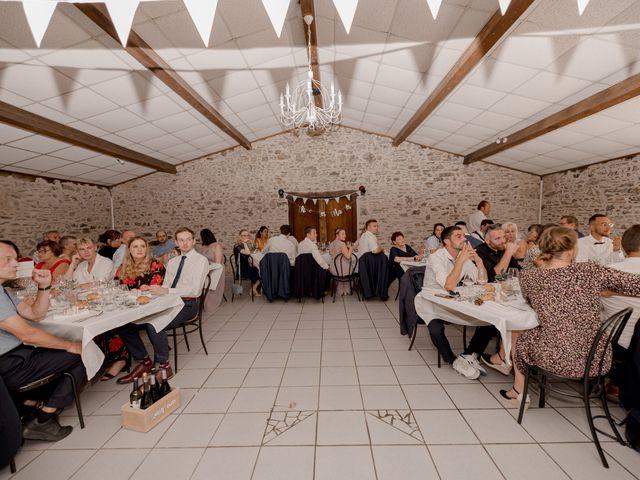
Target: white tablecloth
[
  {"x": 410, "y": 263},
  {"x": 518, "y": 316},
  {"x": 159, "y": 312}
]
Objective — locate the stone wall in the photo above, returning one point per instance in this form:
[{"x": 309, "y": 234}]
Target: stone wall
[
  {"x": 408, "y": 187},
  {"x": 32, "y": 206},
  {"x": 612, "y": 188}
]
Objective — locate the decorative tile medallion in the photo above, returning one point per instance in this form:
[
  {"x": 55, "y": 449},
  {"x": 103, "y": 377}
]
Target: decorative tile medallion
[
  {"x": 402, "y": 420},
  {"x": 280, "y": 422}
]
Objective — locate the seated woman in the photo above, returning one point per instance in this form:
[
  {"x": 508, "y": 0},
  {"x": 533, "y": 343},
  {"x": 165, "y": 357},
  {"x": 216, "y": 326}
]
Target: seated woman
[
  {"x": 533, "y": 233},
  {"x": 511, "y": 235},
  {"x": 434, "y": 242},
  {"x": 566, "y": 297},
  {"x": 50, "y": 259},
  {"x": 138, "y": 268},
  {"x": 110, "y": 241},
  {"x": 400, "y": 252},
  {"x": 210, "y": 248},
  {"x": 336, "y": 247},
  {"x": 242, "y": 253},
  {"x": 69, "y": 246},
  {"x": 262, "y": 237}
]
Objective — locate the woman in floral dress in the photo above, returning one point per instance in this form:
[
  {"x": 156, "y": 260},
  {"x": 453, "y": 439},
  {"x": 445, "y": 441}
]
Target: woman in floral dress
[{"x": 566, "y": 297}]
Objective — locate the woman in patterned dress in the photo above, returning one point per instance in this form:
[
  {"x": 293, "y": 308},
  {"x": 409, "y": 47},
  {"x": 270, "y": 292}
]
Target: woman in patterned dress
[{"x": 566, "y": 297}]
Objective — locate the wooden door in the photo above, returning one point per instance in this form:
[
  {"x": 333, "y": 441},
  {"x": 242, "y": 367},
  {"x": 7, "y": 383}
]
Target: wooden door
[
  {"x": 344, "y": 220},
  {"x": 299, "y": 220},
  {"x": 326, "y": 223}
]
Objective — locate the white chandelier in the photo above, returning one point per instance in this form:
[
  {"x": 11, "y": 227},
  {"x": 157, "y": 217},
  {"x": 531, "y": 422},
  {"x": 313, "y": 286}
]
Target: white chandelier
[{"x": 299, "y": 109}]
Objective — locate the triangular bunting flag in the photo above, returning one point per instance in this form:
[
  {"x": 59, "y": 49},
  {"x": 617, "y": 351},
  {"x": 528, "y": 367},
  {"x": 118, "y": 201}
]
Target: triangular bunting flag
[
  {"x": 434, "y": 6},
  {"x": 347, "y": 10},
  {"x": 326, "y": 201},
  {"x": 202, "y": 13},
  {"x": 277, "y": 11},
  {"x": 337, "y": 199},
  {"x": 315, "y": 201},
  {"x": 122, "y": 13},
  {"x": 504, "y": 4},
  {"x": 294, "y": 198},
  {"x": 582, "y": 4},
  {"x": 38, "y": 15}
]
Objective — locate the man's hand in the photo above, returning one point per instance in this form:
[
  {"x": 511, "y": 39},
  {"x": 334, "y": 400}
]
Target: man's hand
[
  {"x": 511, "y": 249},
  {"x": 157, "y": 290},
  {"x": 75, "y": 347},
  {"x": 42, "y": 277},
  {"x": 617, "y": 243},
  {"x": 467, "y": 253}
]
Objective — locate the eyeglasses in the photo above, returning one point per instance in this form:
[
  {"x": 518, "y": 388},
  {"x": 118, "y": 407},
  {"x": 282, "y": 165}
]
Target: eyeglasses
[
  {"x": 611, "y": 225},
  {"x": 44, "y": 250}
]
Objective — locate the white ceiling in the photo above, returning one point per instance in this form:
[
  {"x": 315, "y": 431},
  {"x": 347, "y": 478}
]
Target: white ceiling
[{"x": 392, "y": 59}]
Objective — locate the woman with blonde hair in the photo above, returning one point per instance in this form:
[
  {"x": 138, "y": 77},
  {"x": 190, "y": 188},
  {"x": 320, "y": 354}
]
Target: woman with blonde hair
[
  {"x": 336, "y": 247},
  {"x": 566, "y": 297},
  {"x": 511, "y": 234}
]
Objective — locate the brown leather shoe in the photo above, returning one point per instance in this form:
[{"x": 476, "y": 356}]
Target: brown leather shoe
[
  {"x": 136, "y": 373},
  {"x": 159, "y": 374}
]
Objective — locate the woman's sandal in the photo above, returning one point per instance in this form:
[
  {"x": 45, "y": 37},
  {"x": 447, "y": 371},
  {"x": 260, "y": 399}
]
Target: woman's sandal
[{"x": 517, "y": 400}]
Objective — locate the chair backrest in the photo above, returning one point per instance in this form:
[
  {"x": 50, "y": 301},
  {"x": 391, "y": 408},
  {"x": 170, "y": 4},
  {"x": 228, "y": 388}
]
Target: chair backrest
[
  {"x": 234, "y": 263},
  {"x": 224, "y": 259},
  {"x": 203, "y": 295},
  {"x": 417, "y": 278},
  {"x": 611, "y": 329},
  {"x": 339, "y": 265}
]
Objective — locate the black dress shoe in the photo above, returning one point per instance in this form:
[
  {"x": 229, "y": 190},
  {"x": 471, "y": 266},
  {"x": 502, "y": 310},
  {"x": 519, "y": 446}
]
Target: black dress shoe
[{"x": 49, "y": 431}]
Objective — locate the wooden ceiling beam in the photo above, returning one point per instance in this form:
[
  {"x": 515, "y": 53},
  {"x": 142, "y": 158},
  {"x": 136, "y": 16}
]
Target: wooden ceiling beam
[
  {"x": 488, "y": 37},
  {"x": 143, "y": 53},
  {"x": 17, "y": 117},
  {"x": 602, "y": 100},
  {"x": 307, "y": 7}
]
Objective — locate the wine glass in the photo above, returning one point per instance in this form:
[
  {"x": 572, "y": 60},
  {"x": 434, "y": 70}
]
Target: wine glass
[
  {"x": 482, "y": 277},
  {"x": 512, "y": 274}
]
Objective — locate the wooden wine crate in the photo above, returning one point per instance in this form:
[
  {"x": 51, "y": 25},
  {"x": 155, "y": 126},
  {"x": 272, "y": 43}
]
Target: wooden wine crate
[{"x": 144, "y": 420}]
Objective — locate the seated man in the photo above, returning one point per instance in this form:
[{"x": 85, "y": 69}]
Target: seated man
[
  {"x": 185, "y": 275},
  {"x": 308, "y": 245},
  {"x": 569, "y": 221},
  {"x": 496, "y": 253},
  {"x": 87, "y": 266},
  {"x": 597, "y": 246},
  {"x": 163, "y": 244},
  {"x": 445, "y": 269},
  {"x": 480, "y": 234},
  {"x": 368, "y": 241},
  {"x": 282, "y": 244},
  {"x": 118, "y": 255},
  {"x": 473, "y": 241},
  {"x": 28, "y": 353}
]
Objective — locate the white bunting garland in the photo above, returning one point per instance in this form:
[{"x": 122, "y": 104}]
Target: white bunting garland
[
  {"x": 504, "y": 4},
  {"x": 277, "y": 11},
  {"x": 346, "y": 10},
  {"x": 38, "y": 15},
  {"x": 122, "y": 13},
  {"x": 202, "y": 13},
  {"x": 434, "y": 7},
  {"x": 582, "y": 4}
]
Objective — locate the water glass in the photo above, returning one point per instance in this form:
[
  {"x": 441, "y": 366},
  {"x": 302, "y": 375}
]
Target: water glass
[{"x": 512, "y": 274}]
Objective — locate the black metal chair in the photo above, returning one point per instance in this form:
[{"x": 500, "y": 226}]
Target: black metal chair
[
  {"x": 350, "y": 276},
  {"x": 52, "y": 378},
  {"x": 237, "y": 277},
  {"x": 190, "y": 326},
  {"x": 224, "y": 263},
  {"x": 592, "y": 385}
]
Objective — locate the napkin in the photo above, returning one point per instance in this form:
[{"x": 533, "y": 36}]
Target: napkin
[{"x": 61, "y": 317}]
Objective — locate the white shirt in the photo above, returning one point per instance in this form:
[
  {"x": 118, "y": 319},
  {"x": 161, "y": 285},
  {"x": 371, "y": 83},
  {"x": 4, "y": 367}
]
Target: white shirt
[
  {"x": 368, "y": 242},
  {"x": 293, "y": 240},
  {"x": 307, "y": 246},
  {"x": 439, "y": 266},
  {"x": 477, "y": 234},
  {"x": 102, "y": 270},
  {"x": 475, "y": 219},
  {"x": 194, "y": 272},
  {"x": 118, "y": 257},
  {"x": 611, "y": 305},
  {"x": 600, "y": 251},
  {"x": 281, "y": 244}
]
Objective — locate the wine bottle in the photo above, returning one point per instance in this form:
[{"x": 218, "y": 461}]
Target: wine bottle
[
  {"x": 135, "y": 397},
  {"x": 165, "y": 389},
  {"x": 146, "y": 396},
  {"x": 153, "y": 387}
]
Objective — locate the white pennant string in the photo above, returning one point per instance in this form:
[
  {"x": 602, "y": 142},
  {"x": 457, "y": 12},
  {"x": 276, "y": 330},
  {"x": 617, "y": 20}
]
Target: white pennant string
[
  {"x": 294, "y": 198},
  {"x": 504, "y": 4},
  {"x": 315, "y": 201},
  {"x": 434, "y": 6},
  {"x": 202, "y": 13},
  {"x": 38, "y": 15},
  {"x": 277, "y": 11},
  {"x": 326, "y": 201},
  {"x": 582, "y": 4},
  {"x": 347, "y": 10},
  {"x": 122, "y": 13}
]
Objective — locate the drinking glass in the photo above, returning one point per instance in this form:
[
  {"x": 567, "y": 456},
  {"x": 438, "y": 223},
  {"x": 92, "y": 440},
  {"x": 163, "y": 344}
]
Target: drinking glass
[
  {"x": 512, "y": 274},
  {"x": 482, "y": 277}
]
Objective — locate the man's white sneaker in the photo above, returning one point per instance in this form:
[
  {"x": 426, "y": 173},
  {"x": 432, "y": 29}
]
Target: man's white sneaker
[
  {"x": 464, "y": 368},
  {"x": 471, "y": 358}
]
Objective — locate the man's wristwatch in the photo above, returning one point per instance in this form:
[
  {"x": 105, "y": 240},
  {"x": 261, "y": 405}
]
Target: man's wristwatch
[{"x": 44, "y": 289}]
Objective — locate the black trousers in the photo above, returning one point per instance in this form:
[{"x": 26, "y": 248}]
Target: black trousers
[
  {"x": 10, "y": 427},
  {"x": 478, "y": 343},
  {"x": 25, "y": 364}
]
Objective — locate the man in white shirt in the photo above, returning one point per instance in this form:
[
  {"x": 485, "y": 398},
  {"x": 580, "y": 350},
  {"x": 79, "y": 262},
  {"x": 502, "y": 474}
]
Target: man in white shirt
[
  {"x": 368, "y": 241},
  {"x": 482, "y": 212},
  {"x": 185, "y": 276},
  {"x": 479, "y": 234},
  {"x": 87, "y": 266},
  {"x": 308, "y": 245},
  {"x": 445, "y": 269},
  {"x": 598, "y": 247},
  {"x": 163, "y": 245},
  {"x": 282, "y": 244},
  {"x": 118, "y": 255}
]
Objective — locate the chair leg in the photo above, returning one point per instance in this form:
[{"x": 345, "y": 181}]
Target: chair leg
[
  {"x": 413, "y": 336},
  {"x": 464, "y": 337},
  {"x": 12, "y": 465},
  {"x": 543, "y": 391},
  {"x": 224, "y": 297},
  {"x": 439, "y": 360},
  {"x": 186, "y": 339},
  {"x": 525, "y": 391},
  {"x": 607, "y": 413},
  {"x": 175, "y": 350},
  {"x": 592, "y": 428},
  {"x": 76, "y": 397},
  {"x": 334, "y": 290},
  {"x": 204, "y": 346}
]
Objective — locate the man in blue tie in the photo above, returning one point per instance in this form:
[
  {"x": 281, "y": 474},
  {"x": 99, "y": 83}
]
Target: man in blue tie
[{"x": 185, "y": 276}]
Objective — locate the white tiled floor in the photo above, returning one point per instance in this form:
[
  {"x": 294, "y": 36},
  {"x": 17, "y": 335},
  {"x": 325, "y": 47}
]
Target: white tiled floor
[{"x": 325, "y": 392}]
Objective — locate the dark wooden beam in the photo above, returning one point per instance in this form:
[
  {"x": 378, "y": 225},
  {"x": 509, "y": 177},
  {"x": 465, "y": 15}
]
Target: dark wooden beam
[
  {"x": 17, "y": 117},
  {"x": 602, "y": 100},
  {"x": 143, "y": 53},
  {"x": 307, "y": 7},
  {"x": 488, "y": 37}
]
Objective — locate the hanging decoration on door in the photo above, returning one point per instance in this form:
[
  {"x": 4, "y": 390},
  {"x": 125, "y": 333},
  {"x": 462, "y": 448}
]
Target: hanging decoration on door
[{"x": 336, "y": 212}]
